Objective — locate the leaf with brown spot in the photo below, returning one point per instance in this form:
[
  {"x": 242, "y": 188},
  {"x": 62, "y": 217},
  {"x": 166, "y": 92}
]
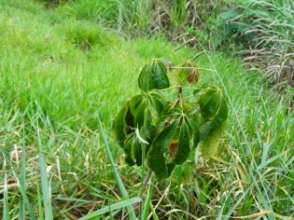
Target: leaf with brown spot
[{"x": 173, "y": 149}]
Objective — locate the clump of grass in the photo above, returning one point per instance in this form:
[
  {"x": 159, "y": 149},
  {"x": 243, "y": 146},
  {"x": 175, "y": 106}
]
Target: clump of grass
[
  {"x": 51, "y": 3},
  {"x": 85, "y": 35},
  {"x": 102, "y": 12},
  {"x": 265, "y": 30}
]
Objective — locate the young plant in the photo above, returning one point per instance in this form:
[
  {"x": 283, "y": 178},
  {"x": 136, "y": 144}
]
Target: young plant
[{"x": 161, "y": 130}]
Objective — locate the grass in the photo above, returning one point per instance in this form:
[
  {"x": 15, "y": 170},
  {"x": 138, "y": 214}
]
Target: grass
[
  {"x": 52, "y": 162},
  {"x": 265, "y": 32},
  {"x": 259, "y": 31},
  {"x": 118, "y": 179}
]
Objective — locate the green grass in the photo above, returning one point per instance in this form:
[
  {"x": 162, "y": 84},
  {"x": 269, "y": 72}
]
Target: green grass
[
  {"x": 263, "y": 32},
  {"x": 57, "y": 74}
]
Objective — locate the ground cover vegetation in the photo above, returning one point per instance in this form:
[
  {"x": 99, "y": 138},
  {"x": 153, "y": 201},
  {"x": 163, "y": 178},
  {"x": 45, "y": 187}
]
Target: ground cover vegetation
[{"x": 68, "y": 67}]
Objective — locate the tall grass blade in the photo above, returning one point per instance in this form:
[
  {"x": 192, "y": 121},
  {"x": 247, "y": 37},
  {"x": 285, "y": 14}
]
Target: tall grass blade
[
  {"x": 112, "y": 207},
  {"x": 5, "y": 205},
  {"x": 21, "y": 183},
  {"x": 118, "y": 179},
  {"x": 45, "y": 186},
  {"x": 146, "y": 206}
]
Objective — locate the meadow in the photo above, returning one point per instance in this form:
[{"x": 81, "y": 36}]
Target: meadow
[{"x": 63, "y": 78}]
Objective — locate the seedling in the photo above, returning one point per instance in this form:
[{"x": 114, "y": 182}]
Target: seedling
[{"x": 160, "y": 131}]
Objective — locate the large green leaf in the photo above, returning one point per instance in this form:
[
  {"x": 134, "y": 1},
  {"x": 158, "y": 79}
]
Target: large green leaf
[
  {"x": 131, "y": 115},
  {"x": 138, "y": 106},
  {"x": 148, "y": 131},
  {"x": 210, "y": 145},
  {"x": 156, "y": 159},
  {"x": 153, "y": 76},
  {"x": 170, "y": 147},
  {"x": 134, "y": 125},
  {"x": 209, "y": 103},
  {"x": 194, "y": 125},
  {"x": 158, "y": 102},
  {"x": 128, "y": 148},
  {"x": 214, "y": 110},
  {"x": 133, "y": 149},
  {"x": 119, "y": 126},
  {"x": 222, "y": 113},
  {"x": 129, "y": 119},
  {"x": 183, "y": 148}
]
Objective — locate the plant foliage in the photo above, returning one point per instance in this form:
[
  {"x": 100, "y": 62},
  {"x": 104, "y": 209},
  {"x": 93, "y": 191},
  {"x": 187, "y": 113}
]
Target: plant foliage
[{"x": 162, "y": 132}]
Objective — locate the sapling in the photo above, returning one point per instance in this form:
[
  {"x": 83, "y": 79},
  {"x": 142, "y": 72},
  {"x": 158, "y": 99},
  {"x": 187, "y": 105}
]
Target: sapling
[{"x": 160, "y": 131}]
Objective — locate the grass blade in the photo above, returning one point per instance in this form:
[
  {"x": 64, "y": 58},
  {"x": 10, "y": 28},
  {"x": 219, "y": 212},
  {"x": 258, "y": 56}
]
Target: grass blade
[
  {"x": 118, "y": 179},
  {"x": 45, "y": 186},
  {"x": 5, "y": 205},
  {"x": 21, "y": 183},
  {"x": 112, "y": 207},
  {"x": 146, "y": 206}
]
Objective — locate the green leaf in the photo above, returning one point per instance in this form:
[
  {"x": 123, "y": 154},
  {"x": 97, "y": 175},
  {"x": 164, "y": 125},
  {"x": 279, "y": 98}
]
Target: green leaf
[
  {"x": 158, "y": 102},
  {"x": 131, "y": 115},
  {"x": 153, "y": 76},
  {"x": 129, "y": 119},
  {"x": 123, "y": 123},
  {"x": 222, "y": 113},
  {"x": 156, "y": 159},
  {"x": 183, "y": 148},
  {"x": 138, "y": 105},
  {"x": 119, "y": 125},
  {"x": 134, "y": 126},
  {"x": 194, "y": 124},
  {"x": 210, "y": 146},
  {"x": 148, "y": 131},
  {"x": 170, "y": 147},
  {"x": 214, "y": 110},
  {"x": 209, "y": 103},
  {"x": 196, "y": 136},
  {"x": 206, "y": 129},
  {"x": 170, "y": 168},
  {"x": 127, "y": 146}
]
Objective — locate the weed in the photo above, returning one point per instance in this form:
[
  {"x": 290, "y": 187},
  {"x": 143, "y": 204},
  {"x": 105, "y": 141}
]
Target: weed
[{"x": 148, "y": 127}]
